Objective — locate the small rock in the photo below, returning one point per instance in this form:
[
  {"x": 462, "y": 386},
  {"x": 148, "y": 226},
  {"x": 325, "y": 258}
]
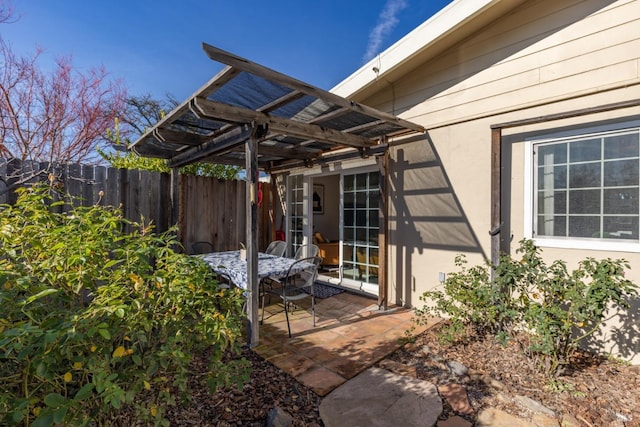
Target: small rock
[
  {"x": 454, "y": 422},
  {"x": 542, "y": 420},
  {"x": 493, "y": 383},
  {"x": 411, "y": 346},
  {"x": 457, "y": 368},
  {"x": 278, "y": 418},
  {"x": 504, "y": 398},
  {"x": 426, "y": 349},
  {"x": 492, "y": 417},
  {"x": 534, "y": 406},
  {"x": 475, "y": 375},
  {"x": 457, "y": 397},
  {"x": 569, "y": 420}
]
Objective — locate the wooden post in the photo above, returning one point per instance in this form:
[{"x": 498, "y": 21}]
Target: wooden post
[
  {"x": 496, "y": 194},
  {"x": 383, "y": 233},
  {"x": 251, "y": 166},
  {"x": 175, "y": 195}
]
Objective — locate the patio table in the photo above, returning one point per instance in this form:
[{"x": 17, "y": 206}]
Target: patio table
[{"x": 229, "y": 264}]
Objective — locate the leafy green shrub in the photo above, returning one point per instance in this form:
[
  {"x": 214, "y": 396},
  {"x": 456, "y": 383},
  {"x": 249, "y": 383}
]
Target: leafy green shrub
[
  {"x": 566, "y": 308},
  {"x": 558, "y": 308},
  {"x": 93, "y": 319},
  {"x": 467, "y": 300}
]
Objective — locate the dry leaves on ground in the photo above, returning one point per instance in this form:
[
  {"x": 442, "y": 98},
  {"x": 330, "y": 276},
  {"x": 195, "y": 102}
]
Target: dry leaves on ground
[
  {"x": 268, "y": 387},
  {"x": 597, "y": 392}
]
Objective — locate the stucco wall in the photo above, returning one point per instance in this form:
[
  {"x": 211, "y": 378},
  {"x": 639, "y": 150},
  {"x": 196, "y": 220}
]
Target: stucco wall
[{"x": 545, "y": 57}]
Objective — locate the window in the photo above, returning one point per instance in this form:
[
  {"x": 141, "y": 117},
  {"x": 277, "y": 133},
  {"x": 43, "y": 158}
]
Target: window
[{"x": 586, "y": 187}]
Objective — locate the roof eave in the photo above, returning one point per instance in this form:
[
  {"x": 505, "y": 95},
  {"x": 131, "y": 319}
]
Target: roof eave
[{"x": 453, "y": 23}]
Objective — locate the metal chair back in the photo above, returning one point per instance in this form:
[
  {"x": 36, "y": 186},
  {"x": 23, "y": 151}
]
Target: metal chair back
[{"x": 277, "y": 248}]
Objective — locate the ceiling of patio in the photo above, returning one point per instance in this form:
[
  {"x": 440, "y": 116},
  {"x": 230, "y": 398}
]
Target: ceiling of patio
[{"x": 295, "y": 124}]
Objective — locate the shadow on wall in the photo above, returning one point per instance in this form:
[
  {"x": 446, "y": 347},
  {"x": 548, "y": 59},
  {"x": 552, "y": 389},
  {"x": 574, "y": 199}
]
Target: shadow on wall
[
  {"x": 620, "y": 335},
  {"x": 424, "y": 213}
]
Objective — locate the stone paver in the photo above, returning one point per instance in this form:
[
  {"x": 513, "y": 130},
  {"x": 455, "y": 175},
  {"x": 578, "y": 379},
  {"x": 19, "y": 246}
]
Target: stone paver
[
  {"x": 542, "y": 420},
  {"x": 456, "y": 395},
  {"x": 455, "y": 421},
  {"x": 492, "y": 417},
  {"x": 381, "y": 398},
  {"x": 398, "y": 368},
  {"x": 322, "y": 380}
]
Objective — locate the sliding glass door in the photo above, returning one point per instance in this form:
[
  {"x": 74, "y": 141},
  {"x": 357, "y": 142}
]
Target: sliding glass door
[
  {"x": 361, "y": 201},
  {"x": 354, "y": 223}
]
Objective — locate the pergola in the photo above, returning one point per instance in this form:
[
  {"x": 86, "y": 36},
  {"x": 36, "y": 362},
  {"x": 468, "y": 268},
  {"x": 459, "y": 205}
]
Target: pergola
[{"x": 254, "y": 117}]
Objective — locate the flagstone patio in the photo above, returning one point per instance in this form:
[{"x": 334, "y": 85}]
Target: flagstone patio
[{"x": 351, "y": 334}]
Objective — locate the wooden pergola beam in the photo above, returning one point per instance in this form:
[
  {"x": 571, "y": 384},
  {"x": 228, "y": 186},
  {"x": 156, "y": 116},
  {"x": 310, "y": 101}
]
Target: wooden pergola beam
[
  {"x": 218, "y": 145},
  {"x": 177, "y": 137},
  {"x": 229, "y": 113}
]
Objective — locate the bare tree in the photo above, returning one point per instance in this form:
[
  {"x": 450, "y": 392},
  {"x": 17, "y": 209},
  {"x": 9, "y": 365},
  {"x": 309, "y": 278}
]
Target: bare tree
[
  {"x": 141, "y": 113},
  {"x": 61, "y": 116},
  {"x": 6, "y": 11}
]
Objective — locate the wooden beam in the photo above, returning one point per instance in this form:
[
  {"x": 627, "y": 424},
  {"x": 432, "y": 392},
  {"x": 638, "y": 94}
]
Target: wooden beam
[
  {"x": 291, "y": 152},
  {"x": 218, "y": 81},
  {"x": 220, "y": 55},
  {"x": 283, "y": 100},
  {"x": 329, "y": 116},
  {"x": 569, "y": 114},
  {"x": 218, "y": 145},
  {"x": 176, "y": 137},
  {"x": 224, "y": 112}
]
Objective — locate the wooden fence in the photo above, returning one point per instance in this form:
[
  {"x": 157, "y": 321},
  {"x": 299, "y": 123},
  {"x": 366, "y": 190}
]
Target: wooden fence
[
  {"x": 213, "y": 210},
  {"x": 207, "y": 208}
]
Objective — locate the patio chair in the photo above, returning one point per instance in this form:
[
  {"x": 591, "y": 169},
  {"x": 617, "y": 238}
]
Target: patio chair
[
  {"x": 277, "y": 248},
  {"x": 306, "y": 251},
  {"x": 296, "y": 285},
  {"x": 202, "y": 247}
]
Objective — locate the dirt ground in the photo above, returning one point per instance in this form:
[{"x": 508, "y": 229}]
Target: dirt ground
[{"x": 596, "y": 391}]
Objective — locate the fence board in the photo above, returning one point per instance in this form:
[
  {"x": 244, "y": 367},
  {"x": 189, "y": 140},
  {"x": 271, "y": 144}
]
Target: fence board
[{"x": 209, "y": 209}]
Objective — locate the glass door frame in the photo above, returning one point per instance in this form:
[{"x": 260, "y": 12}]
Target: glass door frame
[{"x": 305, "y": 180}]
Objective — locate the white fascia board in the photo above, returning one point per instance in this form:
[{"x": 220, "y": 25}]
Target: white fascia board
[{"x": 426, "y": 34}]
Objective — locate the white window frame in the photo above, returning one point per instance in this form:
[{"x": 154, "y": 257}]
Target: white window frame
[{"x": 529, "y": 193}]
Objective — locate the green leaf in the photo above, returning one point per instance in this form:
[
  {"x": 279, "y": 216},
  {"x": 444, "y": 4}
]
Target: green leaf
[
  {"x": 105, "y": 333},
  {"x": 17, "y": 416},
  {"x": 120, "y": 312},
  {"x": 59, "y": 415},
  {"x": 44, "y": 420},
  {"x": 84, "y": 392},
  {"x": 54, "y": 400},
  {"x": 40, "y": 294},
  {"x": 41, "y": 370},
  {"x": 113, "y": 262}
]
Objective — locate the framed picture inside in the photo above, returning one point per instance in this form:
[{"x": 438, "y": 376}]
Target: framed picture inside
[{"x": 318, "y": 198}]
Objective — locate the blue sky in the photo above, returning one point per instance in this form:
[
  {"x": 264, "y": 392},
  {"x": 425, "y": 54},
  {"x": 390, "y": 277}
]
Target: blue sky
[{"x": 155, "y": 46}]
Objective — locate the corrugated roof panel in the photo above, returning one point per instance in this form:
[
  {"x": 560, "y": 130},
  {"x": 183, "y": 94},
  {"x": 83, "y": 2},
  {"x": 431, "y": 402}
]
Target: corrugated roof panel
[{"x": 302, "y": 121}]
